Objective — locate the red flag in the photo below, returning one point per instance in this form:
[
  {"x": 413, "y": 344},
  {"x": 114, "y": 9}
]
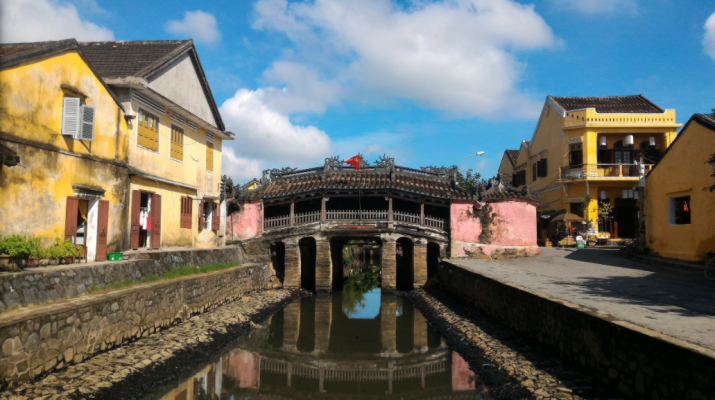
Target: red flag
[
  {"x": 685, "y": 207},
  {"x": 354, "y": 161}
]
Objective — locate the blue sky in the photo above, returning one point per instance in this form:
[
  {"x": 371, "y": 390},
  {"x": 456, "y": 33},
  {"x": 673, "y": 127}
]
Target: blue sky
[{"x": 426, "y": 82}]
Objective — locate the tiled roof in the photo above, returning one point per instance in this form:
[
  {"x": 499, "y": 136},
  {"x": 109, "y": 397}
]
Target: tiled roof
[
  {"x": 129, "y": 58},
  {"x": 13, "y": 54},
  {"x": 707, "y": 119},
  {"x": 406, "y": 180},
  {"x": 513, "y": 155},
  {"x": 609, "y": 104}
]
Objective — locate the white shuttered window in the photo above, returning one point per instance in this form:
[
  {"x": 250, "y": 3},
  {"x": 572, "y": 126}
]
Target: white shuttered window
[
  {"x": 70, "y": 117},
  {"x": 87, "y": 131}
]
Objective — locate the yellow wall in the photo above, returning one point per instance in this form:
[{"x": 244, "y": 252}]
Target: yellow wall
[
  {"x": 505, "y": 167},
  {"x": 682, "y": 172},
  {"x": 34, "y": 193},
  {"x": 192, "y": 169}
]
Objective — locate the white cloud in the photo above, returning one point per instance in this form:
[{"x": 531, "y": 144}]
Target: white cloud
[
  {"x": 597, "y": 6},
  {"x": 267, "y": 138},
  {"x": 456, "y": 55},
  {"x": 302, "y": 89},
  {"x": 709, "y": 38},
  {"x": 198, "y": 25},
  {"x": 41, "y": 20}
]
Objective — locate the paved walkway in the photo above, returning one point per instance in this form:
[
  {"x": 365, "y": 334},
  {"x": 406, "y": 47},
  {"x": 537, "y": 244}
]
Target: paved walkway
[{"x": 678, "y": 302}]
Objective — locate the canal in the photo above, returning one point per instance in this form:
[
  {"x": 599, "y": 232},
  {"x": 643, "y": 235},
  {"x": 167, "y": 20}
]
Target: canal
[{"x": 355, "y": 343}]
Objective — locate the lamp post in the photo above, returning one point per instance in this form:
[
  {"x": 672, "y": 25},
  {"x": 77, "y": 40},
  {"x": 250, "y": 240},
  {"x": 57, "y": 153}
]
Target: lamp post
[{"x": 479, "y": 153}]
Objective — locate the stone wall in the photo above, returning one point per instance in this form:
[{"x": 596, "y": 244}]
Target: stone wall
[
  {"x": 37, "y": 340},
  {"x": 40, "y": 285},
  {"x": 635, "y": 361}
]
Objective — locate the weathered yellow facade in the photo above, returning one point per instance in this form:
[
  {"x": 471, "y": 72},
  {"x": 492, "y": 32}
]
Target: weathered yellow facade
[
  {"x": 567, "y": 185},
  {"x": 683, "y": 174},
  {"x": 35, "y": 192}
]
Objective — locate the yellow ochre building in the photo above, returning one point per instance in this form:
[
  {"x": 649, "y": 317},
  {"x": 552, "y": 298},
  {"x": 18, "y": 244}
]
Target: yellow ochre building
[
  {"x": 588, "y": 150},
  {"x": 679, "y": 212},
  {"x": 113, "y": 145}
]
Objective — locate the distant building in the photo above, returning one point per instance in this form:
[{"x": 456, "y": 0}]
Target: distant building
[
  {"x": 174, "y": 142},
  {"x": 584, "y": 152},
  {"x": 680, "y": 214},
  {"x": 63, "y": 140},
  {"x": 506, "y": 166}
]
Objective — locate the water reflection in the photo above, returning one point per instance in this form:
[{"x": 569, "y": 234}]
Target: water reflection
[{"x": 322, "y": 347}]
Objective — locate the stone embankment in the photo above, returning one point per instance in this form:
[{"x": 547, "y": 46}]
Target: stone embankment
[
  {"x": 44, "y": 338},
  {"x": 511, "y": 367},
  {"x": 634, "y": 361},
  {"x": 45, "y": 284},
  {"x": 131, "y": 370}
]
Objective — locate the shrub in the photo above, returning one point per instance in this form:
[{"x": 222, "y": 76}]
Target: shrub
[
  {"x": 63, "y": 248},
  {"x": 16, "y": 246}
]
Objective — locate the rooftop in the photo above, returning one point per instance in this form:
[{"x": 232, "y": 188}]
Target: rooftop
[
  {"x": 609, "y": 104},
  {"x": 513, "y": 155},
  {"x": 131, "y": 58}
]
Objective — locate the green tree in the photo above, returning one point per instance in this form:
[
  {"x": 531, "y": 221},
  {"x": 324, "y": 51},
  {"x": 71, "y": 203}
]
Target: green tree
[{"x": 471, "y": 181}]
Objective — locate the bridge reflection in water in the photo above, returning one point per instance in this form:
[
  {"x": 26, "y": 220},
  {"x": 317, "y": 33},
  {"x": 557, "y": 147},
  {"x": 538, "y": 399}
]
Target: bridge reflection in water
[{"x": 343, "y": 346}]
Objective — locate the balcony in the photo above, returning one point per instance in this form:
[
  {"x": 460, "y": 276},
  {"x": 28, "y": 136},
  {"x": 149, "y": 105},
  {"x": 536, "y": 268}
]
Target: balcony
[
  {"x": 605, "y": 171},
  {"x": 354, "y": 216}
]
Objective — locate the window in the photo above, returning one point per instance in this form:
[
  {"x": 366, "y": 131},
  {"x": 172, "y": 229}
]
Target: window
[
  {"x": 576, "y": 208},
  {"x": 177, "y": 143},
  {"x": 186, "y": 211},
  {"x": 519, "y": 178},
  {"x": 534, "y": 171},
  {"x": 542, "y": 167},
  {"x": 680, "y": 210},
  {"x": 575, "y": 154},
  {"x": 148, "y": 130},
  {"x": 209, "y": 156},
  {"x": 77, "y": 119}
]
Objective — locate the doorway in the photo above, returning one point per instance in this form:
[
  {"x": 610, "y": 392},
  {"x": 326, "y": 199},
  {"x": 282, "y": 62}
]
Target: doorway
[
  {"x": 307, "y": 263},
  {"x": 278, "y": 258},
  {"x": 625, "y": 214},
  {"x": 146, "y": 220},
  {"x": 432, "y": 260},
  {"x": 86, "y": 226},
  {"x": 405, "y": 264}
]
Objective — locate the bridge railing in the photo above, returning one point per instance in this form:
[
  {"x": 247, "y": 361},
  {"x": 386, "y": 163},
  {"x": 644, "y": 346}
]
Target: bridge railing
[{"x": 353, "y": 215}]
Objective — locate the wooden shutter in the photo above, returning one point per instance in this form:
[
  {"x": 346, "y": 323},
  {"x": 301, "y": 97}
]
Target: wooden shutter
[
  {"x": 136, "y": 226},
  {"x": 186, "y": 208},
  {"x": 70, "y": 117},
  {"x": 177, "y": 143},
  {"x": 534, "y": 171},
  {"x": 86, "y": 131},
  {"x": 201, "y": 215},
  {"x": 148, "y": 130},
  {"x": 156, "y": 221},
  {"x": 71, "y": 218},
  {"x": 102, "y": 228},
  {"x": 209, "y": 156},
  {"x": 215, "y": 217}
]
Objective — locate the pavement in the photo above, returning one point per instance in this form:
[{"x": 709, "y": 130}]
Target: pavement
[{"x": 678, "y": 302}]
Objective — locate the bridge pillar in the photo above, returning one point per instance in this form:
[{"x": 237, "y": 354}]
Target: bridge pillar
[
  {"x": 420, "y": 262},
  {"x": 389, "y": 264},
  {"x": 323, "y": 321},
  {"x": 419, "y": 332},
  {"x": 292, "y": 265},
  {"x": 291, "y": 326},
  {"x": 323, "y": 267},
  {"x": 388, "y": 324}
]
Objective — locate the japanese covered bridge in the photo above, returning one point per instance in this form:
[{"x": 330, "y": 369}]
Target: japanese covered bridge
[{"x": 409, "y": 218}]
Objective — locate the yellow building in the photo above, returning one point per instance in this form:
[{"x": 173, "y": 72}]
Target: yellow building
[
  {"x": 174, "y": 142},
  {"x": 507, "y": 164},
  {"x": 64, "y": 138},
  {"x": 585, "y": 151},
  {"x": 679, "y": 212}
]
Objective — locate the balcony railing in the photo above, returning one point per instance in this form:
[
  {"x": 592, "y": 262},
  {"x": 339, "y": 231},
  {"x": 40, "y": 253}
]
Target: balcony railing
[
  {"x": 585, "y": 171},
  {"x": 353, "y": 215}
]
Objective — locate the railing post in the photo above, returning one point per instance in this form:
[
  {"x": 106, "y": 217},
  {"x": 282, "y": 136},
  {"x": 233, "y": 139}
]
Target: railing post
[
  {"x": 389, "y": 208},
  {"x": 422, "y": 213},
  {"x": 323, "y": 214},
  {"x": 620, "y": 169},
  {"x": 291, "y": 219}
]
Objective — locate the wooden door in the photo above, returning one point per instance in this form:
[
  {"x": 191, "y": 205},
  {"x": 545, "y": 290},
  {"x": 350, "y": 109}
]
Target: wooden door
[
  {"x": 215, "y": 217},
  {"x": 71, "y": 218},
  {"x": 102, "y": 227},
  {"x": 136, "y": 226},
  {"x": 156, "y": 221}
]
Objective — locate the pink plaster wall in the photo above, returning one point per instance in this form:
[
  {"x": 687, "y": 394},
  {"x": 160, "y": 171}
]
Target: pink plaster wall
[
  {"x": 242, "y": 366},
  {"x": 246, "y": 224},
  {"x": 464, "y": 221},
  {"x": 463, "y": 378},
  {"x": 513, "y": 229},
  {"x": 515, "y": 223}
]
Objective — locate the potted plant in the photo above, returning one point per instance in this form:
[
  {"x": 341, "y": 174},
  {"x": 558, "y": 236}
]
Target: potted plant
[{"x": 17, "y": 248}]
